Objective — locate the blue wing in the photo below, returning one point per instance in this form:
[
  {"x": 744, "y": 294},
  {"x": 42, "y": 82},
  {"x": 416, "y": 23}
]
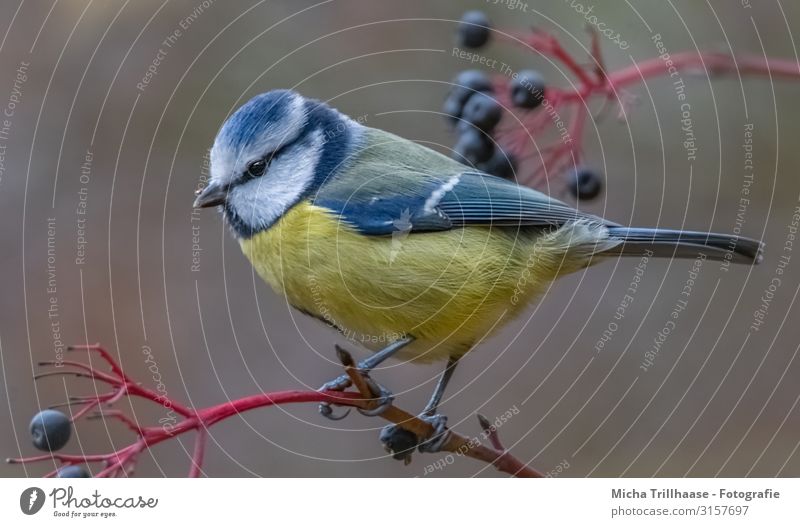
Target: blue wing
[
  {"x": 481, "y": 199},
  {"x": 381, "y": 191}
]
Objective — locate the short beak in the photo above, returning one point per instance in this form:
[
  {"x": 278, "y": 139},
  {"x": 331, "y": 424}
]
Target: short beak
[{"x": 211, "y": 196}]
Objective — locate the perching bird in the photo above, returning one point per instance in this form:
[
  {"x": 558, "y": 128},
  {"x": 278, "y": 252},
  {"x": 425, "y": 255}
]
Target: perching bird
[{"x": 399, "y": 246}]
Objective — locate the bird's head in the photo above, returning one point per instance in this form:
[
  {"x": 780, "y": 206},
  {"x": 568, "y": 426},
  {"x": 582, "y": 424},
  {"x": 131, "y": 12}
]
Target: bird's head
[{"x": 274, "y": 151}]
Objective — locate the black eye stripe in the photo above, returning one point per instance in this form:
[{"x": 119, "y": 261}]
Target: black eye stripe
[{"x": 256, "y": 168}]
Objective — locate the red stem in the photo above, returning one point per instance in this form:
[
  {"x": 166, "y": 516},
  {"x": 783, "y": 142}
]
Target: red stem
[
  {"x": 139, "y": 391},
  {"x": 713, "y": 63},
  {"x": 199, "y": 453},
  {"x": 609, "y": 85},
  {"x": 119, "y": 461}
]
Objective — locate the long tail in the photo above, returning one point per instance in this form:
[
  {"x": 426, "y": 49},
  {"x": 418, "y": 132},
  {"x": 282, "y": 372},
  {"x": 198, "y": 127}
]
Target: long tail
[{"x": 686, "y": 244}]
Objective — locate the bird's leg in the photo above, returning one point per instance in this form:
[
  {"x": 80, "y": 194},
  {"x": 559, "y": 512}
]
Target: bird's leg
[
  {"x": 365, "y": 366},
  {"x": 439, "y": 422},
  {"x": 441, "y": 386},
  {"x": 399, "y": 441}
]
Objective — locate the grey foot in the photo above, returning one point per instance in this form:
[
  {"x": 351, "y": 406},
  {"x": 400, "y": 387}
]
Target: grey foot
[
  {"x": 341, "y": 382},
  {"x": 440, "y": 436},
  {"x": 338, "y": 384},
  {"x": 401, "y": 443},
  {"x": 384, "y": 397}
]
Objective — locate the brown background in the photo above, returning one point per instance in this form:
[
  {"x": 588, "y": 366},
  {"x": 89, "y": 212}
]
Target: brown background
[{"x": 218, "y": 333}]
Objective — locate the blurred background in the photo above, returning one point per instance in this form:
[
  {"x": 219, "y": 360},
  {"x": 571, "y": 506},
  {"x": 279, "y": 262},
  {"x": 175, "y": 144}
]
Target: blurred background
[{"x": 100, "y": 161}]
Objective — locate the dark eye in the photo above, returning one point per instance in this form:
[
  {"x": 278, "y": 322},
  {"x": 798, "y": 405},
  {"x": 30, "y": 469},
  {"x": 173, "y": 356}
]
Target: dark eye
[{"x": 256, "y": 168}]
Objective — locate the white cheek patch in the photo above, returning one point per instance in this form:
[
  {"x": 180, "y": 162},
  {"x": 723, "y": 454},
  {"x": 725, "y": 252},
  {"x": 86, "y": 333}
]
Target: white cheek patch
[
  {"x": 262, "y": 201},
  {"x": 222, "y": 162}
]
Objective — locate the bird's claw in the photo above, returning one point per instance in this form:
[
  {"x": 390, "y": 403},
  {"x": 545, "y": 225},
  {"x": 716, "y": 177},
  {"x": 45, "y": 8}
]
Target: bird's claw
[
  {"x": 338, "y": 384},
  {"x": 326, "y": 410},
  {"x": 441, "y": 434},
  {"x": 383, "y": 396}
]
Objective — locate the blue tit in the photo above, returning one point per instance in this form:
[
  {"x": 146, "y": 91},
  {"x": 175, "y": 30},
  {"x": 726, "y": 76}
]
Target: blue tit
[{"x": 396, "y": 245}]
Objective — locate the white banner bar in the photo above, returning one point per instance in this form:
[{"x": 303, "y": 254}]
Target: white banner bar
[{"x": 401, "y": 502}]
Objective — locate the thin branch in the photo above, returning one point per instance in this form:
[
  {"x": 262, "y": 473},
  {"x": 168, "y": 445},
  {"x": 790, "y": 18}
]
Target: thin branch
[
  {"x": 207, "y": 417},
  {"x": 196, "y": 469}
]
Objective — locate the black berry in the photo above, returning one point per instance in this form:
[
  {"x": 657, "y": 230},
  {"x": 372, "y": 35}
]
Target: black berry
[
  {"x": 473, "y": 31},
  {"x": 483, "y": 111},
  {"x": 585, "y": 183},
  {"x": 50, "y": 430},
  {"x": 527, "y": 89},
  {"x": 473, "y": 147},
  {"x": 501, "y": 164},
  {"x": 72, "y": 471},
  {"x": 465, "y": 85},
  {"x": 452, "y": 108},
  {"x": 468, "y": 82}
]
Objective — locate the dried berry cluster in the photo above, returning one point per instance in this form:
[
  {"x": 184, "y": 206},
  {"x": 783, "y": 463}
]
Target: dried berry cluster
[{"x": 474, "y": 109}]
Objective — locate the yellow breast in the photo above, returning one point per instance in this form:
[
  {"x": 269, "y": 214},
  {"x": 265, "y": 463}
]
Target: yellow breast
[{"x": 446, "y": 289}]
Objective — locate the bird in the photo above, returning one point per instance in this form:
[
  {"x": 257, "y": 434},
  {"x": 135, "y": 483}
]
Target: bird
[{"x": 400, "y": 247}]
